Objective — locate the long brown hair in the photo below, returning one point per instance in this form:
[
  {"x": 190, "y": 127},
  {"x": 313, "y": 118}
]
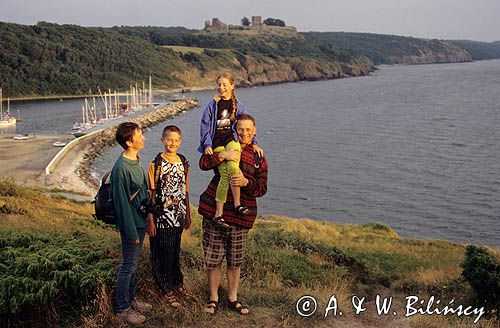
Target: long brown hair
[{"x": 228, "y": 76}]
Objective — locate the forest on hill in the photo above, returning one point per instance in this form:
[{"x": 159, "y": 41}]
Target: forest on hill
[
  {"x": 393, "y": 49},
  {"x": 49, "y": 59},
  {"x": 480, "y": 50}
]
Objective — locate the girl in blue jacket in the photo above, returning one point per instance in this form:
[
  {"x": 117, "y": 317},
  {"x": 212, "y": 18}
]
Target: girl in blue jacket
[{"x": 217, "y": 134}]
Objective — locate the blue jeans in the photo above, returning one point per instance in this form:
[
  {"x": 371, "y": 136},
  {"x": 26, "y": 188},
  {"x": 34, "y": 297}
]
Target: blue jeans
[{"x": 125, "y": 282}]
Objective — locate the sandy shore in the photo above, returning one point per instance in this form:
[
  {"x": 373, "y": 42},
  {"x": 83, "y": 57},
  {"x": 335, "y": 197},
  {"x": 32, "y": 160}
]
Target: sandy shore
[{"x": 25, "y": 160}]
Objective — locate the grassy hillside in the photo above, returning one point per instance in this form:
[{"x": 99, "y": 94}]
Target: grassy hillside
[
  {"x": 274, "y": 45},
  {"x": 58, "y": 266}
]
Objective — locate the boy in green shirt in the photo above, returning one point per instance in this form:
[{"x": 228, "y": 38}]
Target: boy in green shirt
[{"x": 129, "y": 188}]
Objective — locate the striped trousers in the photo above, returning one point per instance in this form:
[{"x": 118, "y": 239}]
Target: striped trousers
[{"x": 165, "y": 262}]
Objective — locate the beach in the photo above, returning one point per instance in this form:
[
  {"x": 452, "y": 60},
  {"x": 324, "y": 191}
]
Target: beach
[{"x": 27, "y": 161}]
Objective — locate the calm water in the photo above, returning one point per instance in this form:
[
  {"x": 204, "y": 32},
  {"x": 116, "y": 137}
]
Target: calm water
[
  {"x": 415, "y": 147},
  {"x": 49, "y": 116}
]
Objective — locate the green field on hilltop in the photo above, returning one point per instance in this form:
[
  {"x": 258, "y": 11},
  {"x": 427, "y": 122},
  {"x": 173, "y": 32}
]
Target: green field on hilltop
[
  {"x": 185, "y": 49},
  {"x": 58, "y": 267}
]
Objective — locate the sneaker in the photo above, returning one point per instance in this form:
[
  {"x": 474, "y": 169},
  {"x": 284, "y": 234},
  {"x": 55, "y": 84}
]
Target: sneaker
[
  {"x": 140, "y": 306},
  {"x": 130, "y": 316}
]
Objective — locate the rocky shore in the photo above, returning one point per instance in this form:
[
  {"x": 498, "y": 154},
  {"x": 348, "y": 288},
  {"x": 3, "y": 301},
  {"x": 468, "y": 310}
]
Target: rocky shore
[{"x": 250, "y": 71}]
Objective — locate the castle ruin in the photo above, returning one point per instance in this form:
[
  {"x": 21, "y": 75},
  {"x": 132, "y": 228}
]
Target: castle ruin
[{"x": 257, "y": 26}]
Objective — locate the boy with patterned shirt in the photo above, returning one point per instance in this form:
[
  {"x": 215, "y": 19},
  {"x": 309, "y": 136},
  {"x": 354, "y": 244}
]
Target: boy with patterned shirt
[{"x": 169, "y": 187}]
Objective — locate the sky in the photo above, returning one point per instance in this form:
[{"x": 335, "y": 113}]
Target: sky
[{"x": 435, "y": 19}]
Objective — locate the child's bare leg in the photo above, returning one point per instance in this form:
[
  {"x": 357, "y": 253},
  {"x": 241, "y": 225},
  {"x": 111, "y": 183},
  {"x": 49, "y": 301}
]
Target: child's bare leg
[
  {"x": 236, "y": 191},
  {"x": 240, "y": 209},
  {"x": 219, "y": 209}
]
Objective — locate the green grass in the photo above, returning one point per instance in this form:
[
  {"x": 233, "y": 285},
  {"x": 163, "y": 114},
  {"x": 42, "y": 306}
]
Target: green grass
[{"x": 186, "y": 49}]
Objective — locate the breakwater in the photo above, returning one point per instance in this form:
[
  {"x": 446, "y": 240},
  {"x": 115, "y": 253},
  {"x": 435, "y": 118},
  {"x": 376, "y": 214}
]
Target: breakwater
[{"x": 82, "y": 152}]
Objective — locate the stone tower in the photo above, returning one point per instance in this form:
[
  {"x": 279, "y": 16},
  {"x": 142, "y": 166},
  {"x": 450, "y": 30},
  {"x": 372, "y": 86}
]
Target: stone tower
[{"x": 256, "y": 21}]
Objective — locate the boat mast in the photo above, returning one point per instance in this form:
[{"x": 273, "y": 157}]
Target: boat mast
[
  {"x": 110, "y": 103},
  {"x": 116, "y": 104},
  {"x": 150, "y": 91}
]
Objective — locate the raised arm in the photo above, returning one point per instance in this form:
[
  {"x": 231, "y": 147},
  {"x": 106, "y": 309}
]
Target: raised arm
[{"x": 210, "y": 162}]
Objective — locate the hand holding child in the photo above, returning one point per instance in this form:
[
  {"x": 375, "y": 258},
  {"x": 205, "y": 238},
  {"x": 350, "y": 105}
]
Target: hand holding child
[
  {"x": 209, "y": 150},
  {"x": 239, "y": 181},
  {"x": 258, "y": 150}
]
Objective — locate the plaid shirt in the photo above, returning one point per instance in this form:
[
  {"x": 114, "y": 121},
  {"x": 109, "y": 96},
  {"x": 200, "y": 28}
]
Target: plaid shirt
[{"x": 257, "y": 187}]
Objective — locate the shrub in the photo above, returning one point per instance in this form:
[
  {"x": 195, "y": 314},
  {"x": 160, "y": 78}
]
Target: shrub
[
  {"x": 45, "y": 272},
  {"x": 482, "y": 271}
]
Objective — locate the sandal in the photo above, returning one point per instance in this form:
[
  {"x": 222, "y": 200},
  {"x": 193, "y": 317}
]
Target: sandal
[
  {"x": 211, "y": 307},
  {"x": 238, "y": 307},
  {"x": 220, "y": 223},
  {"x": 181, "y": 290},
  {"x": 172, "y": 300},
  {"x": 242, "y": 210}
]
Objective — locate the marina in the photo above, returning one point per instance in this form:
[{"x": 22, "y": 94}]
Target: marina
[{"x": 109, "y": 106}]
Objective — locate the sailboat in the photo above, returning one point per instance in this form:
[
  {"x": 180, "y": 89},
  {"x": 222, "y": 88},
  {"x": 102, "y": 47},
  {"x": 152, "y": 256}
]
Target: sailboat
[
  {"x": 6, "y": 120},
  {"x": 92, "y": 117}
]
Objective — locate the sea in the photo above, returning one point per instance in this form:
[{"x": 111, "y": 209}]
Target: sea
[{"x": 413, "y": 147}]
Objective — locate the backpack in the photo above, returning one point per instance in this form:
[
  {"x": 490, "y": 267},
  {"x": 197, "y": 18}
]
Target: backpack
[{"x": 103, "y": 201}]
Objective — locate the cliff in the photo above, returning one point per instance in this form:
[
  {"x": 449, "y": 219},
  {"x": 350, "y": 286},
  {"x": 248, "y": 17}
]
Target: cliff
[
  {"x": 252, "y": 70},
  {"x": 452, "y": 54}
]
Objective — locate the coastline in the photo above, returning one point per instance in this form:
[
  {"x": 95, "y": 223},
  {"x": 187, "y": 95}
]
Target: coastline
[
  {"x": 188, "y": 89},
  {"x": 70, "y": 174}
]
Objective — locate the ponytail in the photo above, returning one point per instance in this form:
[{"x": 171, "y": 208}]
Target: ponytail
[{"x": 232, "y": 116}]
